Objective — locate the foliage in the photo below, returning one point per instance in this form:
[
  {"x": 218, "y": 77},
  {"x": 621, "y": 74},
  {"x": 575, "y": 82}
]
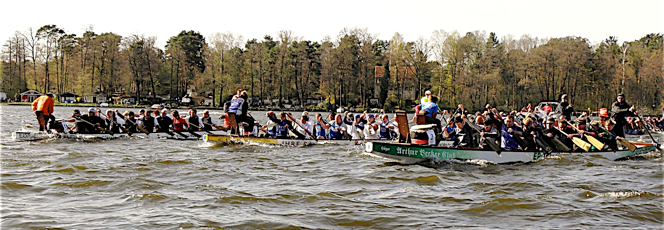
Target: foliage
[{"x": 472, "y": 68}]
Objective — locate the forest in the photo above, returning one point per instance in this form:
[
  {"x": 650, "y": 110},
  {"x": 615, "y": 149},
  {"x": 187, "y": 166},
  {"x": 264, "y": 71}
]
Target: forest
[{"x": 354, "y": 69}]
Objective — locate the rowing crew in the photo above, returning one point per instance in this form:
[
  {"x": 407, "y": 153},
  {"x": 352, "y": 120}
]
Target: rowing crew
[
  {"x": 526, "y": 131},
  {"x": 128, "y": 122},
  {"x": 348, "y": 126}
]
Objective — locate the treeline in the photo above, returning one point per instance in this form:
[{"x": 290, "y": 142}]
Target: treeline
[{"x": 472, "y": 68}]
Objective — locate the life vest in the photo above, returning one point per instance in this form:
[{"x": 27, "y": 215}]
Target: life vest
[
  {"x": 282, "y": 131},
  {"x": 148, "y": 123},
  {"x": 164, "y": 123},
  {"x": 236, "y": 106},
  {"x": 206, "y": 122},
  {"x": 384, "y": 131},
  {"x": 193, "y": 123},
  {"x": 335, "y": 131},
  {"x": 178, "y": 124},
  {"x": 320, "y": 131}
]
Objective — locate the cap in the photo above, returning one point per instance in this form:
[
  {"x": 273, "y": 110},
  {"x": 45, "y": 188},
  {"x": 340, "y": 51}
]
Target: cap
[
  {"x": 91, "y": 110},
  {"x": 206, "y": 112},
  {"x": 371, "y": 116},
  {"x": 604, "y": 112},
  {"x": 77, "y": 111},
  {"x": 564, "y": 96},
  {"x": 427, "y": 92},
  {"x": 305, "y": 114},
  {"x": 358, "y": 115},
  {"x": 621, "y": 95}
]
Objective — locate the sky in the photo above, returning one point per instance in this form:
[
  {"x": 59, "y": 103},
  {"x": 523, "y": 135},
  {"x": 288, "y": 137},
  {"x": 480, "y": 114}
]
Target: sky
[{"x": 314, "y": 20}]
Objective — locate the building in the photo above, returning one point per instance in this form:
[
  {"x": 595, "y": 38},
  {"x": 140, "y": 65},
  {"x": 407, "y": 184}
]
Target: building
[
  {"x": 30, "y": 95},
  {"x": 67, "y": 97},
  {"x": 95, "y": 98}
]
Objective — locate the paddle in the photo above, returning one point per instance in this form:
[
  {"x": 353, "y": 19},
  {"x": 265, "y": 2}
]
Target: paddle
[
  {"x": 299, "y": 125},
  {"x": 647, "y": 129},
  {"x": 598, "y": 144},
  {"x": 620, "y": 140},
  {"x": 121, "y": 127},
  {"x": 216, "y": 126},
  {"x": 581, "y": 143},
  {"x": 199, "y": 128},
  {"x": 132, "y": 122},
  {"x": 100, "y": 128}
]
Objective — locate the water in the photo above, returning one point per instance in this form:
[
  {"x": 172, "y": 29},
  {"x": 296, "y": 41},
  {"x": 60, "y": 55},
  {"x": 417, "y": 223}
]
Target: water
[{"x": 171, "y": 184}]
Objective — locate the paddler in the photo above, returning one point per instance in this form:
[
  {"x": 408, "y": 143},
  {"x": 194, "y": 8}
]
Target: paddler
[
  {"x": 43, "y": 108},
  {"x": 318, "y": 127},
  {"x": 179, "y": 123},
  {"x": 208, "y": 122},
  {"x": 465, "y": 134},
  {"x": 283, "y": 126},
  {"x": 93, "y": 123},
  {"x": 509, "y": 132},
  {"x": 488, "y": 133},
  {"x": 386, "y": 128},
  {"x": 305, "y": 125},
  {"x": 605, "y": 137},
  {"x": 148, "y": 122},
  {"x": 355, "y": 129},
  {"x": 163, "y": 121},
  {"x": 130, "y": 123},
  {"x": 112, "y": 121},
  {"x": 336, "y": 128},
  {"x": 371, "y": 128},
  {"x": 193, "y": 121},
  {"x": 620, "y": 110}
]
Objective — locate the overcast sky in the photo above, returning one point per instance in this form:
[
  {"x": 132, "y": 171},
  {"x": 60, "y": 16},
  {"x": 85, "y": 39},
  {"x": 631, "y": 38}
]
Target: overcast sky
[{"x": 313, "y": 20}]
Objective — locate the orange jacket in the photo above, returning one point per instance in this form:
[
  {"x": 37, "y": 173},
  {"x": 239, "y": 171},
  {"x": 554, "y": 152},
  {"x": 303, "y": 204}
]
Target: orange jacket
[{"x": 43, "y": 103}]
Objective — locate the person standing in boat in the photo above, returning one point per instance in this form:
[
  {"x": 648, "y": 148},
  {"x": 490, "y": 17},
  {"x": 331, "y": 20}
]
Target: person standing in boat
[
  {"x": 43, "y": 108},
  {"x": 565, "y": 108},
  {"x": 163, "y": 122},
  {"x": 619, "y": 111}
]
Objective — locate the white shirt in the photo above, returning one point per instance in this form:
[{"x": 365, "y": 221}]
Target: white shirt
[
  {"x": 367, "y": 131},
  {"x": 309, "y": 126}
]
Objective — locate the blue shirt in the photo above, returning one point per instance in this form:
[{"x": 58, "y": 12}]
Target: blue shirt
[
  {"x": 507, "y": 141},
  {"x": 430, "y": 108}
]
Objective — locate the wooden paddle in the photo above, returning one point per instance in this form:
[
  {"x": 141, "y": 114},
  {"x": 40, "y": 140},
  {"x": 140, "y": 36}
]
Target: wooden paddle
[
  {"x": 620, "y": 140},
  {"x": 646, "y": 127},
  {"x": 100, "y": 128},
  {"x": 133, "y": 123},
  {"x": 121, "y": 127},
  {"x": 298, "y": 124},
  {"x": 578, "y": 141},
  {"x": 216, "y": 126},
  {"x": 598, "y": 144},
  {"x": 199, "y": 128}
]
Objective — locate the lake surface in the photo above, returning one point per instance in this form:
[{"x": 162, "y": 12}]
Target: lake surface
[{"x": 171, "y": 184}]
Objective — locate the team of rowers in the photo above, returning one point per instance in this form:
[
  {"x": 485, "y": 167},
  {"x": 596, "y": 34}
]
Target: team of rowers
[
  {"x": 488, "y": 128},
  {"x": 491, "y": 129}
]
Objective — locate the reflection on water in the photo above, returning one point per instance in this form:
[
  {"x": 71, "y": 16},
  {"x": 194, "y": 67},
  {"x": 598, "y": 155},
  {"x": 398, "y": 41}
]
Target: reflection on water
[{"x": 150, "y": 184}]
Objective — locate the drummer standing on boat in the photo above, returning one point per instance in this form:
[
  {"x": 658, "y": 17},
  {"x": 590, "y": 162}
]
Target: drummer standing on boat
[
  {"x": 620, "y": 109},
  {"x": 43, "y": 108}
]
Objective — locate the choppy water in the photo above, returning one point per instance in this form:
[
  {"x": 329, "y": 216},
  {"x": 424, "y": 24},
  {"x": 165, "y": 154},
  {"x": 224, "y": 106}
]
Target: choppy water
[{"x": 170, "y": 184}]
